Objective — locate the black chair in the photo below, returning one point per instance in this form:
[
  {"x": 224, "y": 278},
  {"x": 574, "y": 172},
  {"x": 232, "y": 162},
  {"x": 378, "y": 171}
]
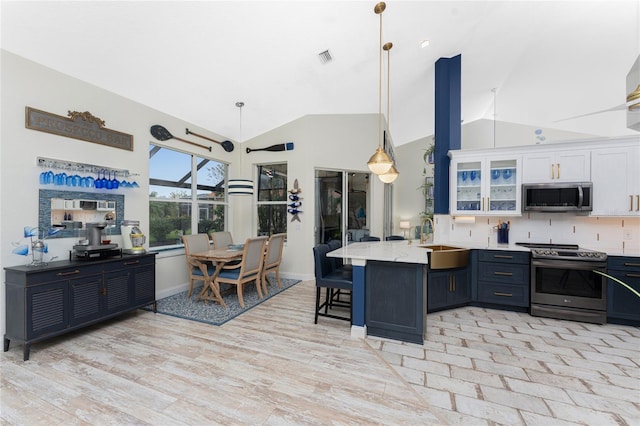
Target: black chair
[
  {"x": 393, "y": 238},
  {"x": 333, "y": 281},
  {"x": 369, "y": 238},
  {"x": 334, "y": 245},
  {"x": 340, "y": 266}
]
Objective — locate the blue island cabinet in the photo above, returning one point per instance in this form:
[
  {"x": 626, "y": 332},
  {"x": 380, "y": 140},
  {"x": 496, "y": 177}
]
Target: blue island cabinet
[
  {"x": 448, "y": 288},
  {"x": 395, "y": 300}
]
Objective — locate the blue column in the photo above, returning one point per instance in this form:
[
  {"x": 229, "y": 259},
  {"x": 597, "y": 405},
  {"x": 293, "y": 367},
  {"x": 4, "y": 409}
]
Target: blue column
[
  {"x": 357, "y": 296},
  {"x": 447, "y": 126}
]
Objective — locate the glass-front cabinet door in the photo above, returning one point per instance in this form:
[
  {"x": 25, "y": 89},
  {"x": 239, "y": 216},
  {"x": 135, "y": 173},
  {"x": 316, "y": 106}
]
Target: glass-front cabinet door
[
  {"x": 485, "y": 186},
  {"x": 504, "y": 191},
  {"x": 468, "y": 184}
]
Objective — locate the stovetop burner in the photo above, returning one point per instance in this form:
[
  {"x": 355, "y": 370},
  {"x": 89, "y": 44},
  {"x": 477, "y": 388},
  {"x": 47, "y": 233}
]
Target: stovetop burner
[{"x": 563, "y": 251}]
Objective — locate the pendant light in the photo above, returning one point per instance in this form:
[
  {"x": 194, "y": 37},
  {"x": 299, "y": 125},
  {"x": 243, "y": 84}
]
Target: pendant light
[
  {"x": 390, "y": 175},
  {"x": 380, "y": 162},
  {"x": 240, "y": 186}
]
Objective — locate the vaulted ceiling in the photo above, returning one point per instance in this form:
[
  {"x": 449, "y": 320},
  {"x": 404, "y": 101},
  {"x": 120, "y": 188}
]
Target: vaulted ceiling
[{"x": 529, "y": 62}]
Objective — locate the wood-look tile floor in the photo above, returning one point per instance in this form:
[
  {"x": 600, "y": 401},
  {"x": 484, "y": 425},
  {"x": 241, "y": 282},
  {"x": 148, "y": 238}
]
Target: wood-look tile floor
[{"x": 273, "y": 366}]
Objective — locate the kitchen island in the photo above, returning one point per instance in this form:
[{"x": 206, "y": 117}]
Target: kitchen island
[{"x": 389, "y": 289}]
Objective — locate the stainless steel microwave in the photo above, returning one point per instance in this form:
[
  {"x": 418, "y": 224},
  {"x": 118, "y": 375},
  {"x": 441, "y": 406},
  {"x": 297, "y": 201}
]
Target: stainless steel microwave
[{"x": 557, "y": 196}]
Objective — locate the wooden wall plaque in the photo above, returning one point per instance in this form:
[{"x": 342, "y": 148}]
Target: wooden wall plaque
[{"x": 78, "y": 125}]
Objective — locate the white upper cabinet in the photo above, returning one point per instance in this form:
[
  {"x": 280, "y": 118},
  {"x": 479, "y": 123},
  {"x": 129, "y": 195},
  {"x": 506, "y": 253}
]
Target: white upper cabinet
[
  {"x": 556, "y": 166},
  {"x": 615, "y": 173},
  {"x": 485, "y": 185},
  {"x": 489, "y": 182}
]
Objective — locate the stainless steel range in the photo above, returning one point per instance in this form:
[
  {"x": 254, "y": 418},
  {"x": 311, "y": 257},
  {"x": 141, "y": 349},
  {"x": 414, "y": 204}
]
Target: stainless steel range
[{"x": 564, "y": 284}]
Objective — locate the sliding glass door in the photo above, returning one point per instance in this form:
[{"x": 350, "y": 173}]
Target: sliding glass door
[{"x": 342, "y": 202}]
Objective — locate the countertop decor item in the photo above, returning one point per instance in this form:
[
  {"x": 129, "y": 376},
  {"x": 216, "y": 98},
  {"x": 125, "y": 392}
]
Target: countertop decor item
[{"x": 37, "y": 247}]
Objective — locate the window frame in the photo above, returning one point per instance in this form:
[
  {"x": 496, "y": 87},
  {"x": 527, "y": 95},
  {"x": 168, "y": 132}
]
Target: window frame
[
  {"x": 263, "y": 203},
  {"x": 194, "y": 202}
]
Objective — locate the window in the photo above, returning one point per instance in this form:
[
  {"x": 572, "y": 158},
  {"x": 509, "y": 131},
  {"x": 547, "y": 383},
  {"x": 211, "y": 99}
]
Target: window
[
  {"x": 178, "y": 203},
  {"x": 272, "y": 199}
]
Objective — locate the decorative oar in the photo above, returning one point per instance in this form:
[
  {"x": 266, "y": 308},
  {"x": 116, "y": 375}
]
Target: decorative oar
[
  {"x": 227, "y": 145},
  {"x": 279, "y": 147},
  {"x": 163, "y": 134}
]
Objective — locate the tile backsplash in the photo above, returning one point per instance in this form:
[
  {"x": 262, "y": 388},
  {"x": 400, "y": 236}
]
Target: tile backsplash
[{"x": 610, "y": 234}]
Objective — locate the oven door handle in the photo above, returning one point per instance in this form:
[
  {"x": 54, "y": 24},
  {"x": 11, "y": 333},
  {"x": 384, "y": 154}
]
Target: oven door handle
[{"x": 569, "y": 264}]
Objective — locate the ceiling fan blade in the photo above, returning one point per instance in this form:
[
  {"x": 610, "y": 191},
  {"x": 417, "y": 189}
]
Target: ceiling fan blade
[{"x": 615, "y": 108}]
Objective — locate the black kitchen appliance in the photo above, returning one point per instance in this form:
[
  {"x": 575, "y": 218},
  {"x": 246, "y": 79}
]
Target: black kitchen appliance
[
  {"x": 94, "y": 249},
  {"x": 564, "y": 284},
  {"x": 557, "y": 197}
]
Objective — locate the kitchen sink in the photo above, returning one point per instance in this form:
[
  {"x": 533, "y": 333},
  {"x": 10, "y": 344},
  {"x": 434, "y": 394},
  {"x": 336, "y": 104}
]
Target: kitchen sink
[{"x": 446, "y": 257}]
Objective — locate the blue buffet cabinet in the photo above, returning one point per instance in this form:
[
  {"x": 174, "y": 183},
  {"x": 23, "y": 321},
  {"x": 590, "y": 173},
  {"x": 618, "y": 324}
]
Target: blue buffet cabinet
[{"x": 48, "y": 300}]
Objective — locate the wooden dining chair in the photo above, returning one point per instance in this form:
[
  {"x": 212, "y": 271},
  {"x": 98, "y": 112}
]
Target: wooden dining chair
[
  {"x": 272, "y": 259},
  {"x": 194, "y": 244},
  {"x": 250, "y": 268},
  {"x": 221, "y": 239}
]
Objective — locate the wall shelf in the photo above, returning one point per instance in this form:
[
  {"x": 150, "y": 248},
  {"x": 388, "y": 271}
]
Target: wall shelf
[{"x": 50, "y": 163}]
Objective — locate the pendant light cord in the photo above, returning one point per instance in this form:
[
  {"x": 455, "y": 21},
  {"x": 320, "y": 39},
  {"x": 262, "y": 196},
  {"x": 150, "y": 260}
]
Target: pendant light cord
[
  {"x": 387, "y": 47},
  {"x": 380, "y": 88}
]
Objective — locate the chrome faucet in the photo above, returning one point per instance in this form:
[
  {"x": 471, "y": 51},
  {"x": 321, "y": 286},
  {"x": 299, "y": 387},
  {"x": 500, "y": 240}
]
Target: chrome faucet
[{"x": 423, "y": 235}]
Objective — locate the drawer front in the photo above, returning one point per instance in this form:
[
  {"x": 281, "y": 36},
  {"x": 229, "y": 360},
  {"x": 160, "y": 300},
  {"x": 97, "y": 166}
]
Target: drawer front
[
  {"x": 624, "y": 263},
  {"x": 501, "y": 294},
  {"x": 130, "y": 262},
  {"x": 64, "y": 274},
  {"x": 503, "y": 273},
  {"x": 503, "y": 256}
]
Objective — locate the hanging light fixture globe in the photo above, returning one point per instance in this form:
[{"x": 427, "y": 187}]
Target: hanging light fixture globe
[
  {"x": 380, "y": 162},
  {"x": 390, "y": 175}
]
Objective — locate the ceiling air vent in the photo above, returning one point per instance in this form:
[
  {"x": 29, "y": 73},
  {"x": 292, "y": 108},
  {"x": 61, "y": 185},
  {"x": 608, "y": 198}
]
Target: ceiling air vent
[{"x": 325, "y": 57}]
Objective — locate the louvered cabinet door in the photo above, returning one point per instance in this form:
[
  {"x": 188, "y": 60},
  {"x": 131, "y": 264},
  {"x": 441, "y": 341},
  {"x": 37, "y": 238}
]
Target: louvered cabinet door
[
  {"x": 86, "y": 299},
  {"x": 46, "y": 307}
]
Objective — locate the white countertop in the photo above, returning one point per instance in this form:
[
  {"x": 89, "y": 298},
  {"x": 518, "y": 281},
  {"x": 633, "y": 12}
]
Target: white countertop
[
  {"x": 400, "y": 251},
  {"x": 386, "y": 251}
]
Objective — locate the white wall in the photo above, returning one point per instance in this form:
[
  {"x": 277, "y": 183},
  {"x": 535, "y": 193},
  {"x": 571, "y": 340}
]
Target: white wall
[
  {"x": 25, "y": 83},
  {"x": 340, "y": 142},
  {"x": 324, "y": 141},
  {"x": 407, "y": 194},
  {"x": 489, "y": 134}
]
